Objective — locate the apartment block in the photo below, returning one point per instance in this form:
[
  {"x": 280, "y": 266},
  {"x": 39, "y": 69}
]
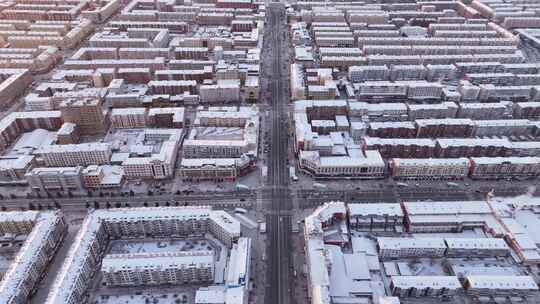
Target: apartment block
[
  {"x": 154, "y": 164},
  {"x": 166, "y": 117},
  {"x": 479, "y": 111},
  {"x": 102, "y": 177},
  {"x": 216, "y": 169},
  {"x": 410, "y": 247},
  {"x": 128, "y": 117},
  {"x": 394, "y": 129},
  {"x": 432, "y": 217},
  {"x": 446, "y": 127},
  {"x": 22, "y": 277},
  {"x": 432, "y": 111},
  {"x": 100, "y": 226},
  {"x": 55, "y": 178},
  {"x": 527, "y": 110},
  {"x": 86, "y": 113},
  {"x": 401, "y": 147},
  {"x": 500, "y": 286},
  {"x": 425, "y": 286},
  {"x": 476, "y": 247},
  {"x": 224, "y": 92},
  {"x": 429, "y": 168},
  {"x": 375, "y": 217},
  {"x": 16, "y": 123},
  {"x": 173, "y": 87},
  {"x": 151, "y": 269},
  {"x": 473, "y": 147},
  {"x": 13, "y": 82},
  {"x": 504, "y": 167},
  {"x": 75, "y": 154},
  {"x": 368, "y": 73},
  {"x": 68, "y": 134}
]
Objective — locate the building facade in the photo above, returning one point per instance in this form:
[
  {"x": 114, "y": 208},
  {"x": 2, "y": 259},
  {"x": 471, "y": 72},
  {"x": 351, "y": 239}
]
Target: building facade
[{"x": 55, "y": 178}]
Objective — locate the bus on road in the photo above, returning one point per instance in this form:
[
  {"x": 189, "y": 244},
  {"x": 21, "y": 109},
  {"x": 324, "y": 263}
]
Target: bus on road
[
  {"x": 292, "y": 173},
  {"x": 240, "y": 210}
]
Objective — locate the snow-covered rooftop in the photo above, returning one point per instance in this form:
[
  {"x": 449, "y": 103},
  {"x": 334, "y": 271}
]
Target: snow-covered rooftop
[{"x": 26, "y": 261}]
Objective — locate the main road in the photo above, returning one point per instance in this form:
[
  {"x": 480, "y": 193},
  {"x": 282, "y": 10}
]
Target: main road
[
  {"x": 308, "y": 198},
  {"x": 278, "y": 220},
  {"x": 81, "y": 204}
]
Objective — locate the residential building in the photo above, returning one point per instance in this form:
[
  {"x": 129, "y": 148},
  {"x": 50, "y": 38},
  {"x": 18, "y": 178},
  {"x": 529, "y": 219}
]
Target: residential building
[
  {"x": 68, "y": 134},
  {"x": 75, "y": 154},
  {"x": 500, "y": 286},
  {"x": 429, "y": 168},
  {"x": 147, "y": 269},
  {"x": 375, "y": 217},
  {"x": 223, "y": 92},
  {"x": 476, "y": 247},
  {"x": 128, "y": 117},
  {"x": 400, "y": 247},
  {"x": 55, "y": 178},
  {"x": 88, "y": 248},
  {"x": 425, "y": 286},
  {"x": 369, "y": 166},
  {"x": 47, "y": 232},
  {"x": 145, "y": 163},
  {"x": 216, "y": 169},
  {"x": 86, "y": 113},
  {"x": 16, "y": 123},
  {"x": 504, "y": 167},
  {"x": 166, "y": 117},
  {"x": 102, "y": 177},
  {"x": 427, "y": 217}
]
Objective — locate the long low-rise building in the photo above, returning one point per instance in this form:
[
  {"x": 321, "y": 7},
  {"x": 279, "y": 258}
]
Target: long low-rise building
[
  {"x": 147, "y": 269},
  {"x": 451, "y": 127},
  {"x": 504, "y": 167},
  {"x": 370, "y": 166},
  {"x": 375, "y": 217},
  {"x": 476, "y": 247},
  {"x": 427, "y": 217},
  {"x": 500, "y": 286},
  {"x": 13, "y": 82},
  {"x": 128, "y": 117},
  {"x": 401, "y": 147},
  {"x": 473, "y": 147},
  {"x": 424, "y": 286},
  {"x": 55, "y": 178},
  {"x": 75, "y": 154},
  {"x": 394, "y": 247},
  {"x": 217, "y": 169},
  {"x": 418, "y": 90},
  {"x": 429, "y": 168}
]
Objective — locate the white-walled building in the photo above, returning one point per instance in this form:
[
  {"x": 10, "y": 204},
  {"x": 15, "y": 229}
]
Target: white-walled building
[
  {"x": 500, "y": 285},
  {"x": 223, "y": 92},
  {"x": 75, "y": 154},
  {"x": 55, "y": 178},
  {"x": 151, "y": 269},
  {"x": 401, "y": 247},
  {"x": 23, "y": 275},
  {"x": 154, "y": 165},
  {"x": 100, "y": 226},
  {"x": 128, "y": 117},
  {"x": 424, "y": 286},
  {"x": 375, "y": 217},
  {"x": 429, "y": 168}
]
